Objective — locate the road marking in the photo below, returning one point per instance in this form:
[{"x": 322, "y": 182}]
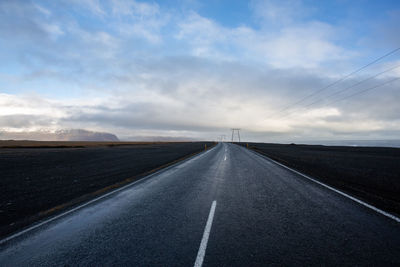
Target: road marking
[
  {"x": 204, "y": 240},
  {"x": 225, "y": 157},
  {"x": 384, "y": 213}
]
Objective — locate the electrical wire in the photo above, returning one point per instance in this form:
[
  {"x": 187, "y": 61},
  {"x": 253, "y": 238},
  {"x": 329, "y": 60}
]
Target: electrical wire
[
  {"x": 337, "y": 81},
  {"x": 352, "y": 86}
]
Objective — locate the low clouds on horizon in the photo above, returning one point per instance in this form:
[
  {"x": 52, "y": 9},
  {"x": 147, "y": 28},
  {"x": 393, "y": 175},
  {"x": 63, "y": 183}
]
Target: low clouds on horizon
[{"x": 137, "y": 68}]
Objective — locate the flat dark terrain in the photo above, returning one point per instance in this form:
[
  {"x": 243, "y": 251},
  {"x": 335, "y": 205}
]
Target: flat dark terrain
[
  {"x": 370, "y": 173},
  {"x": 36, "y": 182}
]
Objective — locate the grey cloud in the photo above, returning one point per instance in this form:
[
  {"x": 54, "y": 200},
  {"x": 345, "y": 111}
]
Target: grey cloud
[
  {"x": 134, "y": 117},
  {"x": 24, "y": 121},
  {"x": 59, "y": 135}
]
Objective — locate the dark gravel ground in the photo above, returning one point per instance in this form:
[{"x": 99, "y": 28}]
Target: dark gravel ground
[
  {"x": 36, "y": 180},
  {"x": 370, "y": 173}
]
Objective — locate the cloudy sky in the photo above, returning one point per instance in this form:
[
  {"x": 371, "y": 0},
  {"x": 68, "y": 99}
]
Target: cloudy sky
[{"x": 198, "y": 68}]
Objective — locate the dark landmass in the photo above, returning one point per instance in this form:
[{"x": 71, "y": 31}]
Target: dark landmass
[
  {"x": 369, "y": 173},
  {"x": 38, "y": 182}
]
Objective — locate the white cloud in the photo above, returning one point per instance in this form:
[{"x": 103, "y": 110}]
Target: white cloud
[
  {"x": 93, "y": 6},
  {"x": 134, "y": 8},
  {"x": 149, "y": 31},
  {"x": 139, "y": 19},
  {"x": 53, "y": 30},
  {"x": 43, "y": 10},
  {"x": 306, "y": 45},
  {"x": 279, "y": 12}
]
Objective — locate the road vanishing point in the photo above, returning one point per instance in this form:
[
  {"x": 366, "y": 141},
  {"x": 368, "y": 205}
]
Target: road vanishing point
[{"x": 227, "y": 206}]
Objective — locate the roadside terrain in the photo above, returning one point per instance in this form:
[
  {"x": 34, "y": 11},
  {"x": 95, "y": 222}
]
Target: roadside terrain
[
  {"x": 41, "y": 178},
  {"x": 369, "y": 173}
]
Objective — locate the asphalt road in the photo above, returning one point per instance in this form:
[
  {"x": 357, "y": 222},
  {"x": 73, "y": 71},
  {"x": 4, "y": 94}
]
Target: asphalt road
[{"x": 226, "y": 207}]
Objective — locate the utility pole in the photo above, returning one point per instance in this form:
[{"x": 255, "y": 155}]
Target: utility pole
[{"x": 237, "y": 130}]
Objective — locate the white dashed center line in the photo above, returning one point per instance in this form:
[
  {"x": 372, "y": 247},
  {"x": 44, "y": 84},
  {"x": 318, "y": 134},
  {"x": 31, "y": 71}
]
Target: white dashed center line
[{"x": 204, "y": 240}]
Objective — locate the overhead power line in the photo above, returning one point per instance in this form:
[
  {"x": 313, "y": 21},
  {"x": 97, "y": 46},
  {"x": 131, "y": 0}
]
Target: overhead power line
[
  {"x": 356, "y": 93},
  {"x": 337, "y": 81},
  {"x": 363, "y": 91},
  {"x": 349, "y": 87}
]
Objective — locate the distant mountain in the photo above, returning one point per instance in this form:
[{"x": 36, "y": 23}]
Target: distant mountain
[{"x": 60, "y": 135}]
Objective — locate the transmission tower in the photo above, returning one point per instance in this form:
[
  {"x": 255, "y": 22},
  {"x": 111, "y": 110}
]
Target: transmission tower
[{"x": 237, "y": 130}]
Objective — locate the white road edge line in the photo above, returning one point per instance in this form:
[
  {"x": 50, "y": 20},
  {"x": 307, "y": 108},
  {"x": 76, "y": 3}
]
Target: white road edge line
[
  {"x": 204, "y": 240},
  {"x": 384, "y": 213},
  {"x": 2, "y": 241}
]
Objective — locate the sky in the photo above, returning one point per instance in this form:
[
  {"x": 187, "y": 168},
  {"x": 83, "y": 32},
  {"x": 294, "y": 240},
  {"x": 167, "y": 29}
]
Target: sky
[{"x": 195, "y": 69}]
